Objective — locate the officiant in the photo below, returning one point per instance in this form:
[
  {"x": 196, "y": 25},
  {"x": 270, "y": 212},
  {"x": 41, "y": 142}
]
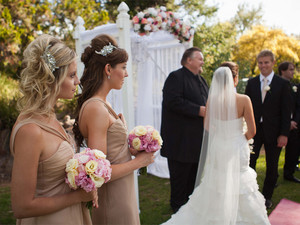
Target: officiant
[{"x": 185, "y": 93}]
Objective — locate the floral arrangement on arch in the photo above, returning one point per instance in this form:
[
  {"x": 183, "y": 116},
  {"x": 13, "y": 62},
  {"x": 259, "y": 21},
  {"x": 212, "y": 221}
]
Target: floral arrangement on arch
[{"x": 153, "y": 19}]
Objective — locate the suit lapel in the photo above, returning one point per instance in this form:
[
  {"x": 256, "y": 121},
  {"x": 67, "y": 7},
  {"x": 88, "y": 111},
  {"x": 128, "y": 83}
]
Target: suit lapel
[
  {"x": 272, "y": 86},
  {"x": 258, "y": 88}
]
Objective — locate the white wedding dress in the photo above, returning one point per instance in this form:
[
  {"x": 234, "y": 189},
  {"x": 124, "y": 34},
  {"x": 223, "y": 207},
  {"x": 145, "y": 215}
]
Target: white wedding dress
[{"x": 228, "y": 192}]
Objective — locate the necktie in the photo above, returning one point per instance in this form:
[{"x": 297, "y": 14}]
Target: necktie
[{"x": 264, "y": 92}]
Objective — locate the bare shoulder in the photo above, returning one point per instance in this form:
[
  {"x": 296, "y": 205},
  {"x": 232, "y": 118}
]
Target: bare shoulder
[
  {"x": 28, "y": 134},
  {"x": 30, "y": 131},
  {"x": 95, "y": 109},
  {"x": 95, "y": 114},
  {"x": 243, "y": 98}
]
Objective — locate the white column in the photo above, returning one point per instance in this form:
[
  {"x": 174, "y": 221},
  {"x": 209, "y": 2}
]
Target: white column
[
  {"x": 124, "y": 24},
  {"x": 79, "y": 28}
]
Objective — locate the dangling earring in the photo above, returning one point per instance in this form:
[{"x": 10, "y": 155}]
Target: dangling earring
[{"x": 108, "y": 77}]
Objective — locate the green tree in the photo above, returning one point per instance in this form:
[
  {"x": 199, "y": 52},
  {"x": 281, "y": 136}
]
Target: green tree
[
  {"x": 20, "y": 23},
  {"x": 134, "y": 6},
  {"x": 258, "y": 38},
  {"x": 197, "y": 9},
  {"x": 245, "y": 18},
  {"x": 66, "y": 11},
  {"x": 216, "y": 42}
]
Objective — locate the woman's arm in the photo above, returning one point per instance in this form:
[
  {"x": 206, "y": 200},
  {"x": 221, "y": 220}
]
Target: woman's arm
[
  {"x": 24, "y": 178},
  {"x": 249, "y": 118},
  {"x": 97, "y": 120}
]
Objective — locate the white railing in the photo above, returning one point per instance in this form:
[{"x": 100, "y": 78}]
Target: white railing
[{"x": 151, "y": 59}]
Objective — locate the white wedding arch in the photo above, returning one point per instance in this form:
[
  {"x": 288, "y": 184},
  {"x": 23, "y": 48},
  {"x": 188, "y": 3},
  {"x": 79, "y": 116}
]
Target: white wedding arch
[{"x": 151, "y": 58}]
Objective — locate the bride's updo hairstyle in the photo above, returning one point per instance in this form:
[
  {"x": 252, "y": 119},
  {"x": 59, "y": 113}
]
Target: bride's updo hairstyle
[
  {"x": 223, "y": 77},
  {"x": 103, "y": 50},
  {"x": 233, "y": 67},
  {"x": 45, "y": 66},
  {"x": 222, "y": 93}
]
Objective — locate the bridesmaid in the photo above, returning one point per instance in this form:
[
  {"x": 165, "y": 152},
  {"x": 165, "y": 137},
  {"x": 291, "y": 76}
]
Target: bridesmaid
[
  {"x": 40, "y": 145},
  {"x": 102, "y": 128}
]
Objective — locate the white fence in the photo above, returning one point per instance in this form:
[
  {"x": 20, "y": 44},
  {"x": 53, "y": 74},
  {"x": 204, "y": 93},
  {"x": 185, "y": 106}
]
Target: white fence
[{"x": 151, "y": 59}]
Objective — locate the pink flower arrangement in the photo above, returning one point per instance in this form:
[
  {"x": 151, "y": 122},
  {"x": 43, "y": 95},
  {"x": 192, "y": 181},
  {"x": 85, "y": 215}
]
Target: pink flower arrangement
[
  {"x": 144, "y": 138},
  {"x": 152, "y": 20},
  {"x": 88, "y": 169}
]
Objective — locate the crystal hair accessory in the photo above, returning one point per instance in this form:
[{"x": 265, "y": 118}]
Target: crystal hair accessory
[
  {"x": 107, "y": 49},
  {"x": 49, "y": 59}
]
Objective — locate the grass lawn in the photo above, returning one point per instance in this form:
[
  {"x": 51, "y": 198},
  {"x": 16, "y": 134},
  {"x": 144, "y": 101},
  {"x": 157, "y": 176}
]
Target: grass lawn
[{"x": 154, "y": 194}]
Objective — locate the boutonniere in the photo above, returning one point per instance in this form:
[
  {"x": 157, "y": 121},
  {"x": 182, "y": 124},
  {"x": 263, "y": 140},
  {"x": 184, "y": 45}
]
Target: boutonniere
[
  {"x": 267, "y": 88},
  {"x": 295, "y": 88}
]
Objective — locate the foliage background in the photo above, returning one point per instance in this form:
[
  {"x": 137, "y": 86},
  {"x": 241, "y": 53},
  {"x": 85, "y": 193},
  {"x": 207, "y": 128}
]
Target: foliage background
[{"x": 238, "y": 39}]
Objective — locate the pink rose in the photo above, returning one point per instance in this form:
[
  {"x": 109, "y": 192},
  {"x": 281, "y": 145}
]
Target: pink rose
[
  {"x": 135, "y": 20},
  {"x": 144, "y": 21}
]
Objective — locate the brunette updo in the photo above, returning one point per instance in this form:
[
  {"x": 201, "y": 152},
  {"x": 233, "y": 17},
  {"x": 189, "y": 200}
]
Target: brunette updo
[
  {"x": 93, "y": 74},
  {"x": 233, "y": 67}
]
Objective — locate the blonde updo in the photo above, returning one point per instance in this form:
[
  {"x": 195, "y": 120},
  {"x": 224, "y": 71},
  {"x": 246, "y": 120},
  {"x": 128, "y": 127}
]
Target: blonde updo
[{"x": 38, "y": 84}]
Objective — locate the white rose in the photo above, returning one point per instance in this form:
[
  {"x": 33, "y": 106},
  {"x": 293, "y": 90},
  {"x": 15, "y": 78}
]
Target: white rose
[
  {"x": 163, "y": 8},
  {"x": 98, "y": 181},
  {"x": 152, "y": 11},
  {"x": 72, "y": 164},
  {"x": 140, "y": 15},
  {"x": 155, "y": 135},
  {"x": 71, "y": 178},
  {"x": 99, "y": 154},
  {"x": 176, "y": 15},
  {"x": 251, "y": 141},
  {"x": 136, "y": 27},
  {"x": 295, "y": 88},
  {"x": 140, "y": 130},
  {"x": 136, "y": 143},
  {"x": 160, "y": 141},
  {"x": 150, "y": 20},
  {"x": 164, "y": 15},
  {"x": 267, "y": 88},
  {"x": 91, "y": 167},
  {"x": 147, "y": 27}
]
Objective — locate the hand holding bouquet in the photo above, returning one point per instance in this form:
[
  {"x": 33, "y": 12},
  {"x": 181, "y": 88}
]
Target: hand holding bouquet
[
  {"x": 88, "y": 170},
  {"x": 144, "y": 138}
]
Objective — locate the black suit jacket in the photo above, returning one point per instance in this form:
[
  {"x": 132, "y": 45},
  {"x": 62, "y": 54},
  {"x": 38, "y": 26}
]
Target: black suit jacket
[
  {"x": 276, "y": 108},
  {"x": 181, "y": 126}
]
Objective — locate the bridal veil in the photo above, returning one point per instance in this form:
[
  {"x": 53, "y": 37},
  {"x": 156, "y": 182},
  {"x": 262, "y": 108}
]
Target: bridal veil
[{"x": 219, "y": 164}]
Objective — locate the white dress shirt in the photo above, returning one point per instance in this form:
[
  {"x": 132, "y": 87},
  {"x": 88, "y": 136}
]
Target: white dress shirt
[{"x": 269, "y": 78}]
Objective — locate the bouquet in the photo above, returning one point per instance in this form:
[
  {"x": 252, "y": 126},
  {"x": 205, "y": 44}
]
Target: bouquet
[
  {"x": 154, "y": 19},
  {"x": 144, "y": 138},
  {"x": 88, "y": 169},
  {"x": 250, "y": 141}
]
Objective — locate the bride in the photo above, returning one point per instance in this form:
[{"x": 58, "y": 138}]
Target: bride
[{"x": 226, "y": 190}]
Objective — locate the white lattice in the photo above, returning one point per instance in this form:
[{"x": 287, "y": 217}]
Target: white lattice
[{"x": 151, "y": 59}]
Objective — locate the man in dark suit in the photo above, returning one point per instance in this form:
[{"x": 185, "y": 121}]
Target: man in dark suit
[
  {"x": 271, "y": 99},
  {"x": 184, "y": 97},
  {"x": 286, "y": 70}
]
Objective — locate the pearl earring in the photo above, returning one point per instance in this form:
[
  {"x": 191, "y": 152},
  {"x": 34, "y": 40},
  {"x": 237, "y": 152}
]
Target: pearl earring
[{"x": 108, "y": 77}]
